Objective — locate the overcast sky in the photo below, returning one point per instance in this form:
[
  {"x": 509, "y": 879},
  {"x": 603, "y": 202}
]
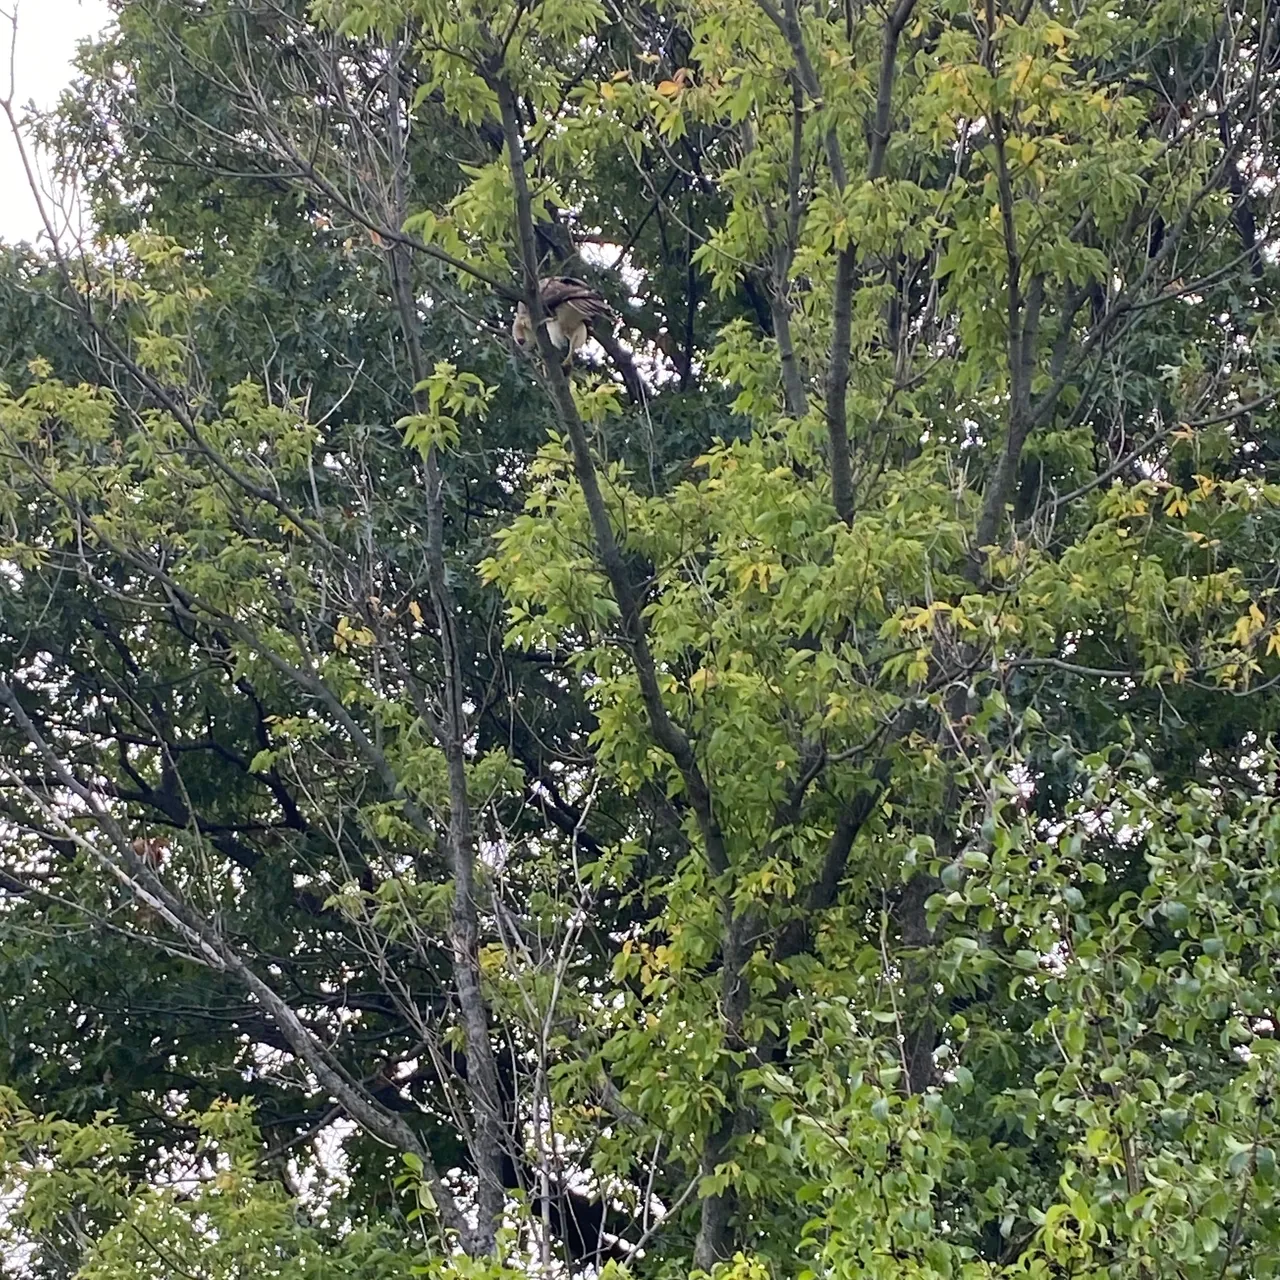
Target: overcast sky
[{"x": 48, "y": 31}]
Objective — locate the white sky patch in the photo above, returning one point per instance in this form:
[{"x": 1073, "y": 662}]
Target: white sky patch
[{"x": 48, "y": 33}]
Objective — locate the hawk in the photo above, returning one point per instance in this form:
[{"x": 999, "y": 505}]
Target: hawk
[{"x": 571, "y": 307}]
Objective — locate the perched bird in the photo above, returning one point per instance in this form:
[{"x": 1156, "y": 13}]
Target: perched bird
[{"x": 571, "y": 306}]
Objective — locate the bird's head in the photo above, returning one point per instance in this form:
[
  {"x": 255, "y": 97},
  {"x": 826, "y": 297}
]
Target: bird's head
[{"x": 521, "y": 329}]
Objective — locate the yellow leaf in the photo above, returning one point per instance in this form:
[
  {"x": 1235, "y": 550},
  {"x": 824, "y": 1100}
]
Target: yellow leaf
[
  {"x": 1248, "y": 626},
  {"x": 918, "y": 668},
  {"x": 416, "y": 609},
  {"x": 606, "y": 91},
  {"x": 668, "y": 88},
  {"x": 702, "y": 680}
]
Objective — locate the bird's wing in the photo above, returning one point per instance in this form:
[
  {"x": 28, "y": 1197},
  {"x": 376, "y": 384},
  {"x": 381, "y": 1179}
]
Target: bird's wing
[{"x": 573, "y": 300}]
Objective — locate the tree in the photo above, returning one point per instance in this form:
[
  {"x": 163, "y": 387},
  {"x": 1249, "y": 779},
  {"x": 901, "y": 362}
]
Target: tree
[{"x": 794, "y": 794}]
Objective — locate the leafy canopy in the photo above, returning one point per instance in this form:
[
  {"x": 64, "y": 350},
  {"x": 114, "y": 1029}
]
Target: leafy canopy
[{"x": 790, "y": 795}]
